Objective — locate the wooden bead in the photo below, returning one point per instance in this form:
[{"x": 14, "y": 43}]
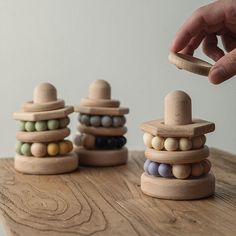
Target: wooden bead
[
  {"x": 197, "y": 142},
  {"x": 63, "y": 122},
  {"x": 171, "y": 144},
  {"x": 106, "y": 121},
  {"x": 22, "y": 125},
  {"x": 88, "y": 141},
  {"x": 63, "y": 148},
  {"x": 52, "y": 149},
  {"x": 197, "y": 169},
  {"x": 25, "y": 149},
  {"x": 70, "y": 145},
  {"x": 181, "y": 171},
  {"x": 53, "y": 124},
  {"x": 165, "y": 170},
  {"x": 38, "y": 149},
  {"x": 147, "y": 139},
  {"x": 30, "y": 126},
  {"x": 77, "y": 140},
  {"x": 85, "y": 120},
  {"x": 158, "y": 143},
  {"x": 95, "y": 121},
  {"x": 117, "y": 121},
  {"x": 41, "y": 125},
  {"x": 185, "y": 144},
  {"x": 206, "y": 166},
  {"x": 153, "y": 169},
  {"x": 18, "y": 147}
]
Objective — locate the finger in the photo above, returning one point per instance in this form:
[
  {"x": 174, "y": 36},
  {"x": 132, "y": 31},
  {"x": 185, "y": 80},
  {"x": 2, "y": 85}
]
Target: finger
[
  {"x": 193, "y": 44},
  {"x": 201, "y": 20},
  {"x": 224, "y": 69},
  {"x": 229, "y": 41},
  {"x": 211, "y": 49}
]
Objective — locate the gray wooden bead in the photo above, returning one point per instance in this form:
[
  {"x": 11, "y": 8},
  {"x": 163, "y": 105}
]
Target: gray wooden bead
[
  {"x": 85, "y": 120},
  {"x": 95, "y": 121},
  {"x": 106, "y": 121},
  {"x": 117, "y": 121}
]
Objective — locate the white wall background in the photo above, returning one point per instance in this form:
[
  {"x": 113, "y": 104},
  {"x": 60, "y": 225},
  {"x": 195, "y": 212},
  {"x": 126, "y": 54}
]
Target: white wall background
[{"x": 72, "y": 42}]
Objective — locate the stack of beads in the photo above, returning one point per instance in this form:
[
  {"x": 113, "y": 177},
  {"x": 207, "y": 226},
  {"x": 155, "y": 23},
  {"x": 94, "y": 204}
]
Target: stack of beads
[
  {"x": 176, "y": 166},
  {"x": 101, "y": 139},
  {"x": 41, "y": 148}
]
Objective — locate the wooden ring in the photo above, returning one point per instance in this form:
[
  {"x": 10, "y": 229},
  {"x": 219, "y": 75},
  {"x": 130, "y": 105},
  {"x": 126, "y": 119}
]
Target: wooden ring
[
  {"x": 35, "y": 107},
  {"x": 46, "y": 165},
  {"x": 43, "y": 136},
  {"x": 189, "y": 63},
  {"x": 102, "y": 158},
  {"x": 101, "y": 131},
  {"x": 178, "y": 189},
  {"x": 177, "y": 157},
  {"x": 87, "y": 102}
]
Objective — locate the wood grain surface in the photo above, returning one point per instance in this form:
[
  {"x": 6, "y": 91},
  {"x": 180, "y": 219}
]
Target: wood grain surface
[{"x": 108, "y": 201}]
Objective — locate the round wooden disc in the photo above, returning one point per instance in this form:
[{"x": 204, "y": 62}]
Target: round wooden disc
[
  {"x": 101, "y": 131},
  {"x": 43, "y": 136},
  {"x": 102, "y": 158},
  {"x": 189, "y": 63},
  {"x": 176, "y": 189},
  {"x": 87, "y": 102},
  {"x": 46, "y": 165},
  {"x": 36, "y": 107},
  {"x": 177, "y": 157}
]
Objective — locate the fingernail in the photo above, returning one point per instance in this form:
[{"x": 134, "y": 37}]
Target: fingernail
[{"x": 218, "y": 75}]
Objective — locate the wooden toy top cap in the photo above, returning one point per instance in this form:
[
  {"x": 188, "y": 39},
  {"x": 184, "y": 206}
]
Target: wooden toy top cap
[
  {"x": 177, "y": 108},
  {"x": 99, "y": 89},
  {"x": 45, "y": 93}
]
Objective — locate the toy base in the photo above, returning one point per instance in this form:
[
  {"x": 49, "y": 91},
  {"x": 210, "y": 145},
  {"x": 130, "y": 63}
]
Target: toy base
[
  {"x": 102, "y": 158},
  {"x": 176, "y": 189},
  {"x": 46, "y": 165}
]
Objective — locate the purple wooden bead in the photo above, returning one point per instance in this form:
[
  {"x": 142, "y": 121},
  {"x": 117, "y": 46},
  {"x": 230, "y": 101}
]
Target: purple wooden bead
[
  {"x": 153, "y": 168},
  {"x": 165, "y": 170},
  {"x": 146, "y": 164}
]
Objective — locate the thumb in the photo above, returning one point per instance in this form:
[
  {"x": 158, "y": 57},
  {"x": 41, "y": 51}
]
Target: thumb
[{"x": 224, "y": 68}]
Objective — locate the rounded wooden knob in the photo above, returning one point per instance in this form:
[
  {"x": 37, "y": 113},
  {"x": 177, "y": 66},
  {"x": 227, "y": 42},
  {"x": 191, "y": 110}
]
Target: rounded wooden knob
[
  {"x": 44, "y": 93},
  {"x": 178, "y": 108},
  {"x": 100, "y": 89}
]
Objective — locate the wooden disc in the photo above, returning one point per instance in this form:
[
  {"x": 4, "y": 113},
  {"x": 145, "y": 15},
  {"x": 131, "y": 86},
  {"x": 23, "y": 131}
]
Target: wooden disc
[
  {"x": 46, "y": 165},
  {"x": 42, "y": 136},
  {"x": 177, "y": 157},
  {"x": 189, "y": 63},
  {"x": 110, "y": 111},
  {"x": 36, "y": 107},
  {"x": 101, "y": 131},
  {"x": 99, "y": 102},
  {"x": 102, "y": 158},
  {"x": 43, "y": 115},
  {"x": 178, "y": 189}
]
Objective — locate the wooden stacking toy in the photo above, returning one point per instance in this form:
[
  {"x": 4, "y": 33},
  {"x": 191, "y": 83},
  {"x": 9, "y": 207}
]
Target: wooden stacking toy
[
  {"x": 101, "y": 139},
  {"x": 41, "y": 148},
  {"x": 176, "y": 166}
]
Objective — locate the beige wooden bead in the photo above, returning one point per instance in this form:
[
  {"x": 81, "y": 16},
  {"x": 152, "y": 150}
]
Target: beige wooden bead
[
  {"x": 147, "y": 139},
  {"x": 171, "y": 144},
  {"x": 197, "y": 169},
  {"x": 185, "y": 144},
  {"x": 181, "y": 171},
  {"x": 206, "y": 166},
  {"x": 158, "y": 143},
  {"x": 203, "y": 138},
  {"x": 88, "y": 141},
  {"x": 38, "y": 149},
  {"x": 197, "y": 142}
]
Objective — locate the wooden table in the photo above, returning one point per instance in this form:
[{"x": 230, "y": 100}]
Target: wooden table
[{"x": 108, "y": 201}]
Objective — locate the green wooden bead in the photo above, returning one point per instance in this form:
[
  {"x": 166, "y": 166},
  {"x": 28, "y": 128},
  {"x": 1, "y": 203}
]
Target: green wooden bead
[
  {"x": 30, "y": 126},
  {"x": 26, "y": 149},
  {"x": 64, "y": 122},
  {"x": 22, "y": 125},
  {"x": 41, "y": 125},
  {"x": 18, "y": 147},
  {"x": 53, "y": 124}
]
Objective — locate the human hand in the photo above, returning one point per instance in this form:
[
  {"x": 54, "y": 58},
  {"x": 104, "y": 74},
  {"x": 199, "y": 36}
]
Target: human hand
[{"x": 205, "y": 24}]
